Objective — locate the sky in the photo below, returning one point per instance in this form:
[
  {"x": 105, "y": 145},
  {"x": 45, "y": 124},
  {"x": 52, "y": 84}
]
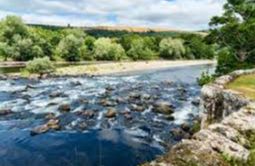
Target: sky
[{"x": 174, "y": 14}]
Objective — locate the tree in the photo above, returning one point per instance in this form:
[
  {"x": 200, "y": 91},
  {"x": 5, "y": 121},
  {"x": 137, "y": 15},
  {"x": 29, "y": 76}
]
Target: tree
[
  {"x": 105, "y": 49},
  {"x": 139, "y": 50},
  {"x": 89, "y": 42},
  {"x": 69, "y": 48},
  {"x": 172, "y": 48},
  {"x": 127, "y": 39},
  {"x": 197, "y": 48},
  {"x": 12, "y": 26},
  {"x": 78, "y": 33},
  {"x": 4, "y": 49},
  {"x": 235, "y": 30},
  {"x": 20, "y": 42},
  {"x": 23, "y": 49}
]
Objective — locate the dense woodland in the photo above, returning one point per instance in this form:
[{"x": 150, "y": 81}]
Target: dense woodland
[{"x": 230, "y": 40}]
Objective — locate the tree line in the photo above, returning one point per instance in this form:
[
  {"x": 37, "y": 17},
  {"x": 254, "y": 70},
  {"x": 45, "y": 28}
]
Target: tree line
[{"x": 21, "y": 42}]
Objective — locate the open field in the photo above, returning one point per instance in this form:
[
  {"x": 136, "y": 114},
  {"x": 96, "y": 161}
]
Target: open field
[{"x": 244, "y": 84}]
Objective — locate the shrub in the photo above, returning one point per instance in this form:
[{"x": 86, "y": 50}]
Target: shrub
[
  {"x": 205, "y": 78},
  {"x": 172, "y": 48},
  {"x": 40, "y": 66}
]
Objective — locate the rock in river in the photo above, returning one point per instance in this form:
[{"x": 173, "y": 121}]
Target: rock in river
[
  {"x": 111, "y": 113},
  {"x": 163, "y": 107},
  {"x": 64, "y": 108},
  {"x": 4, "y": 112},
  {"x": 52, "y": 124}
]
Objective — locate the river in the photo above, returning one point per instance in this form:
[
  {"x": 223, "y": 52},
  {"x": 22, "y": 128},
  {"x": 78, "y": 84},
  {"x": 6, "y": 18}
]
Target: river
[{"x": 133, "y": 135}]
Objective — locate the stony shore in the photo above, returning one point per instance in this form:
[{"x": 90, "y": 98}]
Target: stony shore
[
  {"x": 228, "y": 128},
  {"x": 110, "y": 68}
]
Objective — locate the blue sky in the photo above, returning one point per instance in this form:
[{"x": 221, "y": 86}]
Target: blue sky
[{"x": 175, "y": 14}]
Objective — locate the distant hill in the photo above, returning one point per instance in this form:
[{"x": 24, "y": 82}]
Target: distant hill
[
  {"x": 111, "y": 31},
  {"x": 129, "y": 29}
]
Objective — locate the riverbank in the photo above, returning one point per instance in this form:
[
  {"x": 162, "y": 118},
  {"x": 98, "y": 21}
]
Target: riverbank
[
  {"x": 127, "y": 67},
  {"x": 228, "y": 130}
]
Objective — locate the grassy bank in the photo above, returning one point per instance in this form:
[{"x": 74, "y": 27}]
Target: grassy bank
[{"x": 244, "y": 84}]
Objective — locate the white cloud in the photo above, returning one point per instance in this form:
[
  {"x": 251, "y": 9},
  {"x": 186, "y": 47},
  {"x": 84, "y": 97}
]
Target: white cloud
[{"x": 176, "y": 14}]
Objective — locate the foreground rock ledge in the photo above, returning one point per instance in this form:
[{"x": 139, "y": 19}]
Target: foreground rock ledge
[{"x": 227, "y": 121}]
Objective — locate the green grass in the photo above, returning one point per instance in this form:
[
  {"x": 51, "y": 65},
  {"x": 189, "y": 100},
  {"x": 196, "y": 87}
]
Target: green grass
[{"x": 244, "y": 84}]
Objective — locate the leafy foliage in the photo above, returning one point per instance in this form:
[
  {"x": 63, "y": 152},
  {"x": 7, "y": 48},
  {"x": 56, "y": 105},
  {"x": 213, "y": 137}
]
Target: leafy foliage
[
  {"x": 235, "y": 31},
  {"x": 205, "y": 78}
]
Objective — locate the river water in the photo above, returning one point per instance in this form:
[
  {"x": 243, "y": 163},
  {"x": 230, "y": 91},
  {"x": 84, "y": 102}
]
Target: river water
[{"x": 137, "y": 134}]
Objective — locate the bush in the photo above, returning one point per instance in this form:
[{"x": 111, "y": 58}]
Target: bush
[
  {"x": 205, "y": 78},
  {"x": 105, "y": 49},
  {"x": 172, "y": 48},
  {"x": 40, "y": 66}
]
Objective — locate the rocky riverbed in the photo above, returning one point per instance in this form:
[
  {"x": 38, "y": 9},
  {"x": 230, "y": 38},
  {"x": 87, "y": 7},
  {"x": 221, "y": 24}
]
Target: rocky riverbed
[{"x": 96, "y": 120}]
